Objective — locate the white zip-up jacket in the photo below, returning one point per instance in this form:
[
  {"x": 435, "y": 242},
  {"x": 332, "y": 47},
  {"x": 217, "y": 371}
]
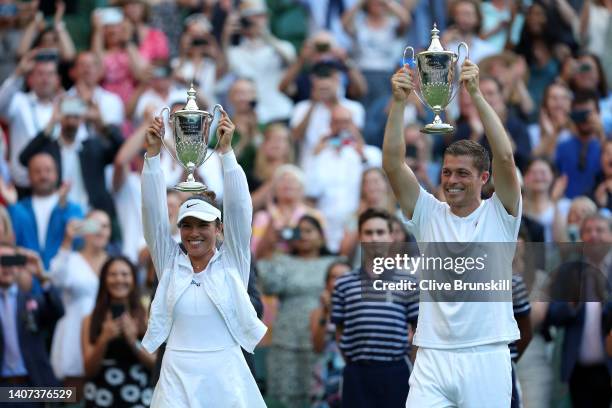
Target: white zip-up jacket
[{"x": 226, "y": 277}]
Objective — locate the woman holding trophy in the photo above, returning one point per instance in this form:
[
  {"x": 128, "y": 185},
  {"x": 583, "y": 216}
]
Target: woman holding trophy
[{"x": 201, "y": 308}]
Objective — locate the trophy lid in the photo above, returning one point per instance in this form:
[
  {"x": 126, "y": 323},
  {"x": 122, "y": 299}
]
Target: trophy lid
[
  {"x": 191, "y": 104},
  {"x": 435, "y": 44}
]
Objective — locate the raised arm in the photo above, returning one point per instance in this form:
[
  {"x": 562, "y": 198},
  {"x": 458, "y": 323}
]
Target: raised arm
[
  {"x": 505, "y": 179},
  {"x": 403, "y": 181},
  {"x": 154, "y": 204},
  {"x": 237, "y": 206}
]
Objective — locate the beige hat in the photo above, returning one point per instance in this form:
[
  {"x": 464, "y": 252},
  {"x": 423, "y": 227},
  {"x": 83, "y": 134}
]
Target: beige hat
[{"x": 252, "y": 8}]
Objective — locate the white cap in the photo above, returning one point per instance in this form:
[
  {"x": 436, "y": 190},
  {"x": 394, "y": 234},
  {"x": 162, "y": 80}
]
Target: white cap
[{"x": 198, "y": 208}]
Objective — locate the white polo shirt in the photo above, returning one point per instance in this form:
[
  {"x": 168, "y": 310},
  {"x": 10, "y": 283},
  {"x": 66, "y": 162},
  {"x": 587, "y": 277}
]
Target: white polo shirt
[{"x": 449, "y": 325}]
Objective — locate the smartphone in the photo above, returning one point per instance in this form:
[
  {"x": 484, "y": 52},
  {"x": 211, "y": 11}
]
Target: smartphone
[
  {"x": 579, "y": 116},
  {"x": 161, "y": 72},
  {"x": 73, "y": 107},
  {"x": 8, "y": 10},
  {"x": 411, "y": 151},
  {"x": 117, "y": 309},
  {"x": 89, "y": 227},
  {"x": 584, "y": 67},
  {"x": 46, "y": 55},
  {"x": 12, "y": 260},
  {"x": 245, "y": 22},
  {"x": 322, "y": 46},
  {"x": 199, "y": 42}
]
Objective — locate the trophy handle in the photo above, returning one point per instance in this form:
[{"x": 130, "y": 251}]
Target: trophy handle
[
  {"x": 163, "y": 134},
  {"x": 217, "y": 108},
  {"x": 467, "y": 50},
  {"x": 411, "y": 62},
  {"x": 467, "y": 56}
]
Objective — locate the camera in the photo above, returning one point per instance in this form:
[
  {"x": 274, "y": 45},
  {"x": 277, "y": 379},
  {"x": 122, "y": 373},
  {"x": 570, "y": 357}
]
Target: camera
[
  {"x": 199, "y": 42},
  {"x": 117, "y": 309},
  {"x": 322, "y": 46},
  {"x": 46, "y": 55},
  {"x": 290, "y": 234},
  {"x": 579, "y": 116},
  {"x": 245, "y": 22},
  {"x": 12, "y": 260}
]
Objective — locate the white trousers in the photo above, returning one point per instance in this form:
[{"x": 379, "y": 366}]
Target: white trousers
[{"x": 472, "y": 377}]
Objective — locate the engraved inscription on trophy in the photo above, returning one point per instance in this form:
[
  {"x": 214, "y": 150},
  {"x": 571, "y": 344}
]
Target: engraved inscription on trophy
[
  {"x": 191, "y": 128},
  {"x": 436, "y": 73}
]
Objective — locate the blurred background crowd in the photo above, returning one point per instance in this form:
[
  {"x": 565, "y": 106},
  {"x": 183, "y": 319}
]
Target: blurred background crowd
[{"x": 307, "y": 84}]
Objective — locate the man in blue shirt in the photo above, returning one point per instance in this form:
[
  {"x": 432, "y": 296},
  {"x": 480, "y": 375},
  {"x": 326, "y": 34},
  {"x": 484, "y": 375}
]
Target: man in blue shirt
[
  {"x": 372, "y": 326},
  {"x": 40, "y": 220},
  {"x": 578, "y": 157}
]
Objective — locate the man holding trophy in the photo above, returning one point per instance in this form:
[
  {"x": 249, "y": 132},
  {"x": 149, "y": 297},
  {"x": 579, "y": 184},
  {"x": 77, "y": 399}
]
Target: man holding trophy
[
  {"x": 201, "y": 308},
  {"x": 463, "y": 358}
]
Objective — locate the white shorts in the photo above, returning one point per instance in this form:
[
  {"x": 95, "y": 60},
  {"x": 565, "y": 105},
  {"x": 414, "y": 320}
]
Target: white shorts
[{"x": 471, "y": 377}]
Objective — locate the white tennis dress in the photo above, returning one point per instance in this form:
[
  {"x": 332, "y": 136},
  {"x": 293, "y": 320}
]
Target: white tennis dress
[{"x": 203, "y": 365}]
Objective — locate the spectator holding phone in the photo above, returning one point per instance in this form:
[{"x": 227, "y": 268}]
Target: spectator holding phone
[
  {"x": 76, "y": 273},
  {"x": 28, "y": 112},
  {"x": 23, "y": 318},
  {"x": 53, "y": 40},
  {"x": 11, "y": 32},
  {"x": 201, "y": 62},
  {"x": 111, "y": 41},
  {"x": 578, "y": 157},
  {"x": 110, "y": 339},
  {"x": 259, "y": 56},
  {"x": 242, "y": 107},
  {"x": 297, "y": 279},
  {"x": 273, "y": 226},
  {"x": 42, "y": 218},
  {"x": 152, "y": 43},
  {"x": 103, "y": 107},
  {"x": 80, "y": 154}
]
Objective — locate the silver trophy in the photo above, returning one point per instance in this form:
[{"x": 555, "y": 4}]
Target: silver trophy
[
  {"x": 436, "y": 74},
  {"x": 191, "y": 132}
]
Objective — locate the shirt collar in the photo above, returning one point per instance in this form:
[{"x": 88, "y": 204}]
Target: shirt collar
[{"x": 12, "y": 290}]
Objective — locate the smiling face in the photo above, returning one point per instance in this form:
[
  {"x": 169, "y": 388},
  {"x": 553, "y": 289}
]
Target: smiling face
[
  {"x": 199, "y": 237},
  {"x": 119, "y": 280},
  {"x": 44, "y": 79},
  {"x": 595, "y": 230},
  {"x": 43, "y": 174},
  {"x": 461, "y": 181},
  {"x": 558, "y": 102},
  {"x": 276, "y": 144},
  {"x": 538, "y": 177},
  {"x": 310, "y": 238},
  {"x": 465, "y": 16},
  {"x": 288, "y": 188},
  {"x": 242, "y": 94},
  {"x": 374, "y": 187}
]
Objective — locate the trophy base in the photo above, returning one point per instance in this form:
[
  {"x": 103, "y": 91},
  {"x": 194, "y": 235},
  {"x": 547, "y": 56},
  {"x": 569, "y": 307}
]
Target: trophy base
[
  {"x": 190, "y": 187},
  {"x": 437, "y": 128}
]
